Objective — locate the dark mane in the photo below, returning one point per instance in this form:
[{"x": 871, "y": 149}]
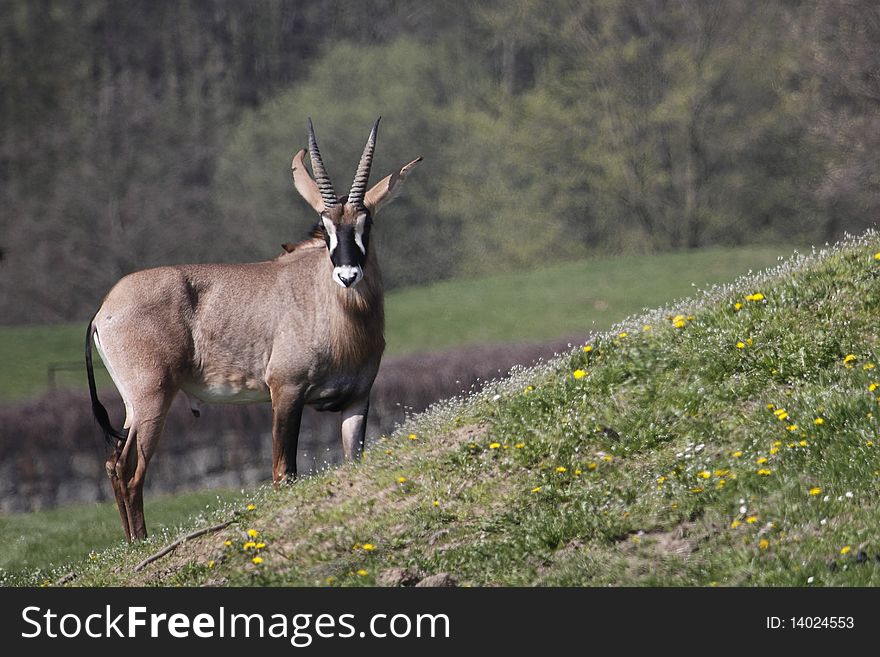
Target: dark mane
[{"x": 316, "y": 232}]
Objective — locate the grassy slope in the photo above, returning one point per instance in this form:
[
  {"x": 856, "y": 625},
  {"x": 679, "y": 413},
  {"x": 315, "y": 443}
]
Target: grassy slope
[
  {"x": 665, "y": 464},
  {"x": 559, "y": 301}
]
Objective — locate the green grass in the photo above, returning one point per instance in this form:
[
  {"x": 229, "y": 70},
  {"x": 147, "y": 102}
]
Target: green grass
[
  {"x": 43, "y": 538},
  {"x": 686, "y": 454},
  {"x": 566, "y": 299},
  {"x": 27, "y": 351},
  {"x": 529, "y": 306}
]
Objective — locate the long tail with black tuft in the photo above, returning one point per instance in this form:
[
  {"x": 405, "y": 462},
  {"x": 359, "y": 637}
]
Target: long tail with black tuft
[{"x": 110, "y": 434}]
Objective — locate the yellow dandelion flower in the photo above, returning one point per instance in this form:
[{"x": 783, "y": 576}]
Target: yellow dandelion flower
[
  {"x": 536, "y": 489},
  {"x": 588, "y": 348},
  {"x": 248, "y": 545},
  {"x": 251, "y": 507},
  {"x": 579, "y": 374},
  {"x": 749, "y": 341},
  {"x": 757, "y": 296},
  {"x": 740, "y": 345},
  {"x": 737, "y": 306},
  {"x": 519, "y": 445},
  {"x": 845, "y": 549},
  {"x": 661, "y": 479},
  {"x": 578, "y": 472},
  {"x": 815, "y": 490},
  {"x": 777, "y": 443},
  {"x": 330, "y": 580},
  {"x": 877, "y": 255},
  {"x": 764, "y": 472},
  {"x": 227, "y": 543},
  {"x": 763, "y": 544},
  {"x": 253, "y": 533},
  {"x": 792, "y": 427},
  {"x": 818, "y": 421},
  {"x": 491, "y": 446},
  {"x": 369, "y": 547},
  {"x": 528, "y": 389},
  {"x": 257, "y": 560},
  {"x": 697, "y": 489},
  {"x": 721, "y": 484},
  {"x": 870, "y": 443},
  {"x": 848, "y": 359},
  {"x": 260, "y": 545},
  {"x": 561, "y": 469},
  {"x": 736, "y": 454},
  {"x": 211, "y": 563},
  {"x": 647, "y": 327},
  {"x": 678, "y": 318},
  {"x": 412, "y": 436},
  {"x": 873, "y": 387},
  {"x": 761, "y": 461},
  {"x": 436, "y": 503},
  {"x": 722, "y": 473},
  {"x": 752, "y": 520},
  {"x": 704, "y": 474},
  {"x": 362, "y": 572},
  {"x": 679, "y": 323},
  {"x": 782, "y": 415},
  {"x": 401, "y": 480},
  {"x": 622, "y": 335},
  {"x": 803, "y": 443},
  {"x": 735, "y": 524},
  {"x": 592, "y": 465},
  {"x": 868, "y": 366}
]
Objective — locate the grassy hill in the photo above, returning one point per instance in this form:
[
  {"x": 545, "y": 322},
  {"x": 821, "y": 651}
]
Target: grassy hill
[
  {"x": 728, "y": 439},
  {"x": 529, "y": 306}
]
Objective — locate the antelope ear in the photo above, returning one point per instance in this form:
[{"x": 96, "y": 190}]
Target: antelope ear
[
  {"x": 304, "y": 183},
  {"x": 387, "y": 188}
]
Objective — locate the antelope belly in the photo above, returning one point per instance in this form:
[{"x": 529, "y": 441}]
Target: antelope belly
[{"x": 228, "y": 393}]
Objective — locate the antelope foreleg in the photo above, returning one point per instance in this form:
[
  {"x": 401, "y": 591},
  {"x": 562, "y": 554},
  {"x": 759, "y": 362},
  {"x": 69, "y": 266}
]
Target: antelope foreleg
[
  {"x": 354, "y": 429},
  {"x": 287, "y": 408}
]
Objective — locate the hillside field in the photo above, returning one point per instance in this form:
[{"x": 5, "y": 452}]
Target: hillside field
[
  {"x": 571, "y": 298},
  {"x": 730, "y": 439}
]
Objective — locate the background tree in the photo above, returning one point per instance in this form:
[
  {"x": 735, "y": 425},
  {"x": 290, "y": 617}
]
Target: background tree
[{"x": 134, "y": 134}]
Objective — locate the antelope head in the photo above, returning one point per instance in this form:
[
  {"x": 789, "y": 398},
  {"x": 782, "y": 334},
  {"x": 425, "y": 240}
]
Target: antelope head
[{"x": 345, "y": 221}]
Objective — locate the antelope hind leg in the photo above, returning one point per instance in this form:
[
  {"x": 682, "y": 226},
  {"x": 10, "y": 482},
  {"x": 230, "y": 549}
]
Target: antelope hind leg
[
  {"x": 118, "y": 489},
  {"x": 131, "y": 466}
]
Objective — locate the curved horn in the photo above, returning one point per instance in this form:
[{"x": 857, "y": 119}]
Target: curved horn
[
  {"x": 359, "y": 186},
  {"x": 320, "y": 173}
]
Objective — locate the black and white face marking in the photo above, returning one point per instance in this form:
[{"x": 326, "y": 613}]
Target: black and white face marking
[{"x": 347, "y": 244}]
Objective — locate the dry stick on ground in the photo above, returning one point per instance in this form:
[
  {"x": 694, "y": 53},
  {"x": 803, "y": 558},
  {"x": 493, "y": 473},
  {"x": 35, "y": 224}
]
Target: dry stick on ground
[
  {"x": 65, "y": 579},
  {"x": 170, "y": 547}
]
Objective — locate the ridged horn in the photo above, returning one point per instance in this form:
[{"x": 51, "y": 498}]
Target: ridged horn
[
  {"x": 359, "y": 186},
  {"x": 320, "y": 173}
]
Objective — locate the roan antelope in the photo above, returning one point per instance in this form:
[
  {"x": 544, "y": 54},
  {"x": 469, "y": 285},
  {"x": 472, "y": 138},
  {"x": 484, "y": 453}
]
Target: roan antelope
[{"x": 304, "y": 328}]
